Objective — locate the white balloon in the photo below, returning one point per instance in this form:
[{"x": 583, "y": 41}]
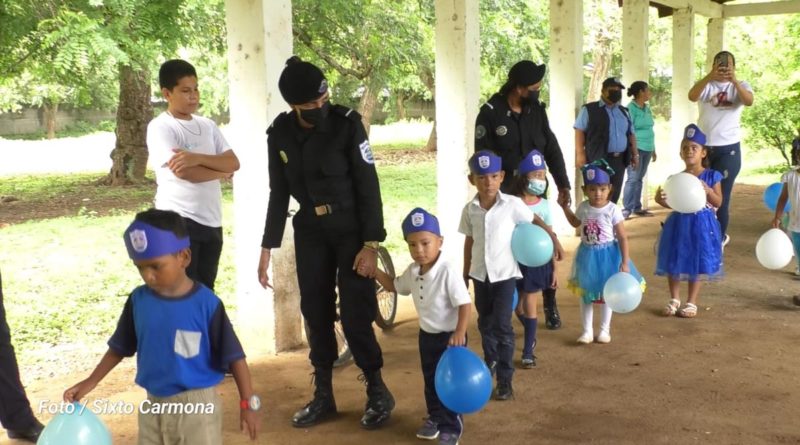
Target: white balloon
[
  {"x": 622, "y": 292},
  {"x": 774, "y": 249},
  {"x": 685, "y": 193}
]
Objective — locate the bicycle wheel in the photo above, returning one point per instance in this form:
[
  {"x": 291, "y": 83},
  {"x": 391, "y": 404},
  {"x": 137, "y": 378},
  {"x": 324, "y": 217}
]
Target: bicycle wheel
[
  {"x": 345, "y": 355},
  {"x": 387, "y": 301}
]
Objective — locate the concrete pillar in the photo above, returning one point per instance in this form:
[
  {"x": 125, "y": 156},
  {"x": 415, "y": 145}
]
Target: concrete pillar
[
  {"x": 683, "y": 111},
  {"x": 565, "y": 69},
  {"x": 259, "y": 42},
  {"x": 715, "y": 40},
  {"x": 457, "y": 96},
  {"x": 635, "y": 57}
]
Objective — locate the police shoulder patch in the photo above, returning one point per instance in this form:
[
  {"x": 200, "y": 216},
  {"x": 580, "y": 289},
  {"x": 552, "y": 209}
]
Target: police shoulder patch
[{"x": 366, "y": 152}]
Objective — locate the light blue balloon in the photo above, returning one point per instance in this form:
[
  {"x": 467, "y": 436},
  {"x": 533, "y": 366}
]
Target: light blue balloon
[
  {"x": 622, "y": 292},
  {"x": 77, "y": 425},
  {"x": 462, "y": 381},
  {"x": 771, "y": 195},
  {"x": 531, "y": 245}
]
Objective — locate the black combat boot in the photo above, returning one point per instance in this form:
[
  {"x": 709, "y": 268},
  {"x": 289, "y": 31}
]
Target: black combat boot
[
  {"x": 380, "y": 402},
  {"x": 551, "y": 316},
  {"x": 322, "y": 406}
]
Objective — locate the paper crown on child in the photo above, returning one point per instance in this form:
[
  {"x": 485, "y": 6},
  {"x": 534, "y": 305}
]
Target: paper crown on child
[
  {"x": 484, "y": 162},
  {"x": 419, "y": 220},
  {"x": 532, "y": 162},
  {"x": 694, "y": 134},
  {"x": 597, "y": 172},
  {"x": 144, "y": 241}
]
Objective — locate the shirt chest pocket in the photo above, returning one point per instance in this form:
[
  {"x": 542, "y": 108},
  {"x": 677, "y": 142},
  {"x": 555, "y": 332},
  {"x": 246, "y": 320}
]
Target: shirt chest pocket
[{"x": 187, "y": 343}]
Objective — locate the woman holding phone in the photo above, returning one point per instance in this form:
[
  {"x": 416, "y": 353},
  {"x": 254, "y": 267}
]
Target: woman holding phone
[{"x": 721, "y": 97}]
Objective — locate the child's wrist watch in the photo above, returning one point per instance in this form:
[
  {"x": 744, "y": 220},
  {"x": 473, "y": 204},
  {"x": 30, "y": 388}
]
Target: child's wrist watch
[{"x": 252, "y": 404}]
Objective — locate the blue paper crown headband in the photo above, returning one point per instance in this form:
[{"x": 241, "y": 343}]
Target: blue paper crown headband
[
  {"x": 597, "y": 172},
  {"x": 144, "y": 241},
  {"x": 419, "y": 220}
]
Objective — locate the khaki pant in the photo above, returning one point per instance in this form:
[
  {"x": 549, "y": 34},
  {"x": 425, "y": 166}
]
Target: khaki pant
[{"x": 192, "y": 421}]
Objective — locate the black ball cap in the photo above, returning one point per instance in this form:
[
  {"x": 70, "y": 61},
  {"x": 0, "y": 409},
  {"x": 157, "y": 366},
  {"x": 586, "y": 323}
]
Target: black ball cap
[
  {"x": 526, "y": 73},
  {"x": 301, "y": 82}
]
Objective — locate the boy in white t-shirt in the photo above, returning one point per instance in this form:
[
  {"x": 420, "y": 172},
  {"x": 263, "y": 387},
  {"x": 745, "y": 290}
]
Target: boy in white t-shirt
[
  {"x": 791, "y": 193},
  {"x": 190, "y": 156},
  {"x": 443, "y": 304}
]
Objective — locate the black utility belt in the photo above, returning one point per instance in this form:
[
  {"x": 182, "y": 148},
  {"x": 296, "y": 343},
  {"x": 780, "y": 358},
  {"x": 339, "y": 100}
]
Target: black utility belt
[
  {"x": 327, "y": 209},
  {"x": 617, "y": 154}
]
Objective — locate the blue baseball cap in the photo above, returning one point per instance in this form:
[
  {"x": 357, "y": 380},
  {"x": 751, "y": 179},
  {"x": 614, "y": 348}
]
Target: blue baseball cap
[
  {"x": 595, "y": 174},
  {"x": 419, "y": 220},
  {"x": 694, "y": 134},
  {"x": 532, "y": 162},
  {"x": 485, "y": 162},
  {"x": 144, "y": 241}
]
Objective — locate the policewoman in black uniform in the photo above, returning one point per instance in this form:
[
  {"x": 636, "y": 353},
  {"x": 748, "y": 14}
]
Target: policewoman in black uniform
[
  {"x": 319, "y": 154},
  {"x": 512, "y": 123}
]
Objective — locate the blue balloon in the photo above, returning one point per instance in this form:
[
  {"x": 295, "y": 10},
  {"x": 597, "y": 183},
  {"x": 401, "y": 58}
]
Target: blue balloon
[
  {"x": 76, "y": 425},
  {"x": 531, "y": 245},
  {"x": 515, "y": 301},
  {"x": 622, "y": 292},
  {"x": 771, "y": 195},
  {"x": 462, "y": 381}
]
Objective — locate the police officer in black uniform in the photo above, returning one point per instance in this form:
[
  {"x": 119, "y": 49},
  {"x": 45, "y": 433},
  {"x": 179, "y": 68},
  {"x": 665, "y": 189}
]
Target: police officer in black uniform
[
  {"x": 319, "y": 154},
  {"x": 512, "y": 123}
]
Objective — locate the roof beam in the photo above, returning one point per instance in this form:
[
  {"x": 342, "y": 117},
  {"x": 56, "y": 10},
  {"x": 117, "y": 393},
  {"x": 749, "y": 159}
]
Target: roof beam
[
  {"x": 704, "y": 7},
  {"x": 748, "y": 9}
]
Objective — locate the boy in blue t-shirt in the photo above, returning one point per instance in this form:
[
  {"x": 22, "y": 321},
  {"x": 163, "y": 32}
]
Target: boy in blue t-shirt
[
  {"x": 443, "y": 304},
  {"x": 487, "y": 223},
  {"x": 183, "y": 340}
]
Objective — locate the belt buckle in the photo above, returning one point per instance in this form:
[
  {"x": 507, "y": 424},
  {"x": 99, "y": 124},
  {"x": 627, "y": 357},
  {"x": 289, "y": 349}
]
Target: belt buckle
[{"x": 324, "y": 209}]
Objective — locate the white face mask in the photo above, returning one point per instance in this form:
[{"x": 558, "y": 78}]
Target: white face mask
[{"x": 537, "y": 186}]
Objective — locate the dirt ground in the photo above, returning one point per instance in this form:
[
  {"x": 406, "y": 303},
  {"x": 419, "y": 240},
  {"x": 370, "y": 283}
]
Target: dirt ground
[{"x": 729, "y": 376}]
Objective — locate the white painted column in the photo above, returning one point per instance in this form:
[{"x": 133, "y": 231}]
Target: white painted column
[
  {"x": 683, "y": 111},
  {"x": 457, "y": 95},
  {"x": 259, "y": 42},
  {"x": 715, "y": 40},
  {"x": 565, "y": 69},
  {"x": 635, "y": 57}
]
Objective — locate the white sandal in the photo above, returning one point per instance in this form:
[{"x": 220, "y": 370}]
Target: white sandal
[
  {"x": 672, "y": 307},
  {"x": 688, "y": 311}
]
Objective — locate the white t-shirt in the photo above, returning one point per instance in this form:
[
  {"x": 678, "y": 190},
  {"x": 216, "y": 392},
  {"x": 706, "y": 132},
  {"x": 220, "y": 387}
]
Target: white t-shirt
[
  {"x": 597, "y": 225},
  {"x": 491, "y": 249},
  {"x": 720, "y": 112},
  {"x": 792, "y": 181},
  {"x": 437, "y": 295},
  {"x": 201, "y": 202}
]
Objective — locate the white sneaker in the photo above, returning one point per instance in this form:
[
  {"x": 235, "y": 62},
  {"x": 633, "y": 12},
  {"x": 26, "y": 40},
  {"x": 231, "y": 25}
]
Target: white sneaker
[
  {"x": 604, "y": 337},
  {"x": 726, "y": 240},
  {"x": 585, "y": 338}
]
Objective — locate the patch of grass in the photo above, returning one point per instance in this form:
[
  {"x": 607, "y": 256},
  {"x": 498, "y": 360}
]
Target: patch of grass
[{"x": 404, "y": 187}]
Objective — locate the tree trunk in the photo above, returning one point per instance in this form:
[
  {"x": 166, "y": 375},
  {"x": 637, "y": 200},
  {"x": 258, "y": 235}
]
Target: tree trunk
[
  {"x": 50, "y": 110},
  {"x": 134, "y": 113},
  {"x": 400, "y": 100},
  {"x": 601, "y": 59},
  {"x": 426, "y": 75},
  {"x": 431, "y": 145},
  {"x": 368, "y": 102}
]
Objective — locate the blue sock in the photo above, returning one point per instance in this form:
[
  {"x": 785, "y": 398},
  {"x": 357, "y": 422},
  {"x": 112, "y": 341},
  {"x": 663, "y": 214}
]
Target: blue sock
[
  {"x": 530, "y": 336},
  {"x": 522, "y": 318}
]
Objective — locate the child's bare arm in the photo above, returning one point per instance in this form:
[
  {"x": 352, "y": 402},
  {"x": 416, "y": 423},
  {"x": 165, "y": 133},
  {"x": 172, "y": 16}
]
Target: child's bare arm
[
  {"x": 78, "y": 391},
  {"x": 776, "y": 222},
  {"x": 622, "y": 238},
  {"x": 714, "y": 194},
  {"x": 558, "y": 251},
  {"x": 661, "y": 198},
  {"x": 385, "y": 280},
  {"x": 459, "y": 337},
  {"x": 571, "y": 218},
  {"x": 249, "y": 420},
  {"x": 225, "y": 162},
  {"x": 468, "y": 241}
]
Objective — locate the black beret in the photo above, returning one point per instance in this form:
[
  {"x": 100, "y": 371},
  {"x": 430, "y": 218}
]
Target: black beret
[
  {"x": 301, "y": 82},
  {"x": 526, "y": 73}
]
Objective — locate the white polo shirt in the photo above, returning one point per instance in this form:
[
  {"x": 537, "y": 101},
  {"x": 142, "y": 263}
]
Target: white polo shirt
[
  {"x": 491, "y": 231},
  {"x": 437, "y": 295}
]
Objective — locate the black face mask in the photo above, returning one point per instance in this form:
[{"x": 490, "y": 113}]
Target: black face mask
[
  {"x": 316, "y": 115},
  {"x": 615, "y": 96},
  {"x": 533, "y": 96}
]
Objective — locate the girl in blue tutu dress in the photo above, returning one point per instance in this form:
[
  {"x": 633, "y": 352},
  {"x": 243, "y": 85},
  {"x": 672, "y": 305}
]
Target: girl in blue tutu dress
[
  {"x": 690, "y": 246},
  {"x": 531, "y": 186},
  {"x": 603, "y": 250}
]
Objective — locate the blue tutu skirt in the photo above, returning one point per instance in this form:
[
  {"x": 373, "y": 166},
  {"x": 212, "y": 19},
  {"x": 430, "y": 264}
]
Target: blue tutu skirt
[
  {"x": 535, "y": 279},
  {"x": 593, "y": 266},
  {"x": 690, "y": 247}
]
